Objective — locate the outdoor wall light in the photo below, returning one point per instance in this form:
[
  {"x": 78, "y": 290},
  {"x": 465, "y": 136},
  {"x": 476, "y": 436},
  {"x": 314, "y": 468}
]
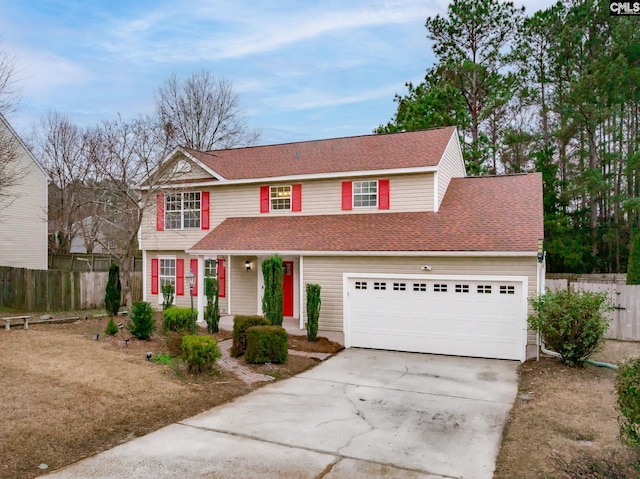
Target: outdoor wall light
[
  {"x": 248, "y": 265},
  {"x": 540, "y": 250}
]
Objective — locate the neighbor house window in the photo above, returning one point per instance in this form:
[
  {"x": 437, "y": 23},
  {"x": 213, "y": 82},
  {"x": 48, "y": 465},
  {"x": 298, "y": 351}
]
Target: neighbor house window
[
  {"x": 280, "y": 197},
  {"x": 167, "y": 273},
  {"x": 182, "y": 211},
  {"x": 365, "y": 194}
]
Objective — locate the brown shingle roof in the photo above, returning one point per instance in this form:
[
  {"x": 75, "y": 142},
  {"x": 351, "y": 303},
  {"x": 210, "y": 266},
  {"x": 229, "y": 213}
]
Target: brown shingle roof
[
  {"x": 500, "y": 213},
  {"x": 360, "y": 153}
]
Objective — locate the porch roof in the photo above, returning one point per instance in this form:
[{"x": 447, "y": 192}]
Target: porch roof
[{"x": 485, "y": 214}]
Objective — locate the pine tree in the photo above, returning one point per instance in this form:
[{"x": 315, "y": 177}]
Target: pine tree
[{"x": 113, "y": 291}]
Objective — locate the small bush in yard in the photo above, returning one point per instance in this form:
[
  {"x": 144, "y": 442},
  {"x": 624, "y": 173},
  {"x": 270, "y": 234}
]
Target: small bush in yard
[
  {"x": 240, "y": 326},
  {"x": 571, "y": 323},
  {"x": 177, "y": 319},
  {"x": 112, "y": 329},
  {"x": 142, "y": 324},
  {"x": 628, "y": 402},
  {"x": 167, "y": 295},
  {"x": 199, "y": 352},
  {"x": 266, "y": 344}
]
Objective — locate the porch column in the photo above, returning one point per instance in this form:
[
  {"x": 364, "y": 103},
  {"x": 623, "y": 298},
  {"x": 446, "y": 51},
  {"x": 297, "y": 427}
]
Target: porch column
[{"x": 201, "y": 296}]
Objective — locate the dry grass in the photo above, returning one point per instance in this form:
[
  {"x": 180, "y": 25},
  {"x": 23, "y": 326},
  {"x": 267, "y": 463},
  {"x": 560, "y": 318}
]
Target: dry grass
[
  {"x": 562, "y": 414},
  {"x": 66, "y": 396}
]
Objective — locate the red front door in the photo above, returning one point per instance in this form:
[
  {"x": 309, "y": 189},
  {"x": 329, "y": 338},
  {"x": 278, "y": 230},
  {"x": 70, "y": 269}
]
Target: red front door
[{"x": 287, "y": 289}]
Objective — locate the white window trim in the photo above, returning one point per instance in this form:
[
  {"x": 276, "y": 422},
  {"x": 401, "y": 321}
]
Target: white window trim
[
  {"x": 182, "y": 211},
  {"x": 353, "y": 194},
  {"x": 175, "y": 279},
  {"x": 215, "y": 270},
  {"x": 271, "y": 198}
]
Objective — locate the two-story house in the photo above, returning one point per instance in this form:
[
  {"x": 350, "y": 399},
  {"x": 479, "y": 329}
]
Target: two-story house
[
  {"x": 23, "y": 203},
  {"x": 410, "y": 253}
]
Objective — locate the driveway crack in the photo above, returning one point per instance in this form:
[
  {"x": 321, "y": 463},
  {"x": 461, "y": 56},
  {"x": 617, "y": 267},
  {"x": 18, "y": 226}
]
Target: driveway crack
[{"x": 360, "y": 414}]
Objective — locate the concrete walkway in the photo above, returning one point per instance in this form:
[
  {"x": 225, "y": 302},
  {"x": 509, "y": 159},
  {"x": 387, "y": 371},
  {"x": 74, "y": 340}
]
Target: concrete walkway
[{"x": 360, "y": 414}]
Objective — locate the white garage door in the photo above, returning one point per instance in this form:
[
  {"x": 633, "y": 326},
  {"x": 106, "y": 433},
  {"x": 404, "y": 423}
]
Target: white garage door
[{"x": 480, "y": 317}]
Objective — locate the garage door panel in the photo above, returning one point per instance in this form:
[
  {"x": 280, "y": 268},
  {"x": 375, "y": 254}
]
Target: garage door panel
[{"x": 456, "y": 317}]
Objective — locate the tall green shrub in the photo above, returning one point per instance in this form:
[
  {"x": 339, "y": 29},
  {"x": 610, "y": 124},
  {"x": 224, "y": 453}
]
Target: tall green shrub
[
  {"x": 113, "y": 291},
  {"x": 633, "y": 268},
  {"x": 142, "y": 323},
  {"x": 273, "y": 272},
  {"x": 571, "y": 323},
  {"x": 212, "y": 312},
  {"x": 628, "y": 402},
  {"x": 167, "y": 295},
  {"x": 313, "y": 310}
]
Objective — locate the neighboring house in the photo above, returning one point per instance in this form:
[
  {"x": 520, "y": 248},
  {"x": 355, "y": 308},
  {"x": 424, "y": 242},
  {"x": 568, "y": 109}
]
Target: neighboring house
[
  {"x": 94, "y": 236},
  {"x": 411, "y": 255},
  {"x": 23, "y": 203}
]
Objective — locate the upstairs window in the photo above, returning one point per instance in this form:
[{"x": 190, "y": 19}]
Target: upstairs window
[
  {"x": 365, "y": 194},
  {"x": 182, "y": 211},
  {"x": 178, "y": 211},
  {"x": 280, "y": 197}
]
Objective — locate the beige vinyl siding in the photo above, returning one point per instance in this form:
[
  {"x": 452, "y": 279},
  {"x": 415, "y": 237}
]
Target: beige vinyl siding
[
  {"x": 23, "y": 210},
  {"x": 451, "y": 166},
  {"x": 328, "y": 273},
  {"x": 244, "y": 285},
  {"x": 319, "y": 197},
  {"x": 183, "y": 301}
]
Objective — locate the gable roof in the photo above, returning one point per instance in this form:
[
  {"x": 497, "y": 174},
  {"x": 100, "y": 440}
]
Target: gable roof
[
  {"x": 14, "y": 134},
  {"x": 478, "y": 214},
  {"x": 416, "y": 149}
]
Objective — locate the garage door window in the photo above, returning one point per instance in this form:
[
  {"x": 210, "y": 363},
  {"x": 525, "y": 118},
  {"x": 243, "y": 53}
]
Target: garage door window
[
  {"x": 420, "y": 286},
  {"x": 507, "y": 289},
  {"x": 361, "y": 285},
  {"x": 484, "y": 289},
  {"x": 399, "y": 286},
  {"x": 440, "y": 288},
  {"x": 462, "y": 288},
  {"x": 380, "y": 286}
]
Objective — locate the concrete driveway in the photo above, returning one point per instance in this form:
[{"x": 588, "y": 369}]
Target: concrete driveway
[{"x": 361, "y": 414}]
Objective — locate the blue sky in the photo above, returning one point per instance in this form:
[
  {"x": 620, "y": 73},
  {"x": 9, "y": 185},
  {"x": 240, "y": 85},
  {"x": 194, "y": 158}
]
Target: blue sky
[{"x": 303, "y": 69}]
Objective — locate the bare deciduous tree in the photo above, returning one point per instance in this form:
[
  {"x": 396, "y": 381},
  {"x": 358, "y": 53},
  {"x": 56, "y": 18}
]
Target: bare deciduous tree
[
  {"x": 59, "y": 144},
  {"x": 202, "y": 112}
]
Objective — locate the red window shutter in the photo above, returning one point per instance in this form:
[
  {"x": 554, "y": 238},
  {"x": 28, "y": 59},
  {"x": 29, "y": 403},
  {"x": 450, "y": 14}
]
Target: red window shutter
[
  {"x": 383, "y": 194},
  {"x": 154, "y": 276},
  {"x": 160, "y": 212},
  {"x": 204, "y": 211},
  {"x": 346, "y": 195},
  {"x": 222, "y": 279},
  {"x": 264, "y": 199},
  {"x": 193, "y": 266},
  {"x": 296, "y": 197},
  {"x": 180, "y": 277}
]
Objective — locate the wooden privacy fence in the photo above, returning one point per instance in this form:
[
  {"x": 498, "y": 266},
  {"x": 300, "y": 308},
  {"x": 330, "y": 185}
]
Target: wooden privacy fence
[
  {"x": 625, "y": 318},
  {"x": 53, "y": 290}
]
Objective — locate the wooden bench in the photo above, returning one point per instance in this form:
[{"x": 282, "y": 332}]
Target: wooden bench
[{"x": 7, "y": 321}]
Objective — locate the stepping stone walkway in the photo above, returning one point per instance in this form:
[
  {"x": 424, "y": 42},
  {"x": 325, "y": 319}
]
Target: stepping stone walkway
[{"x": 248, "y": 375}]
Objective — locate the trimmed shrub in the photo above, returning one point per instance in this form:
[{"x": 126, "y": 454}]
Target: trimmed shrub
[
  {"x": 240, "y": 326},
  {"x": 571, "y": 323},
  {"x": 112, "y": 329},
  {"x": 199, "y": 352},
  {"x": 273, "y": 272},
  {"x": 628, "y": 402},
  {"x": 113, "y": 291},
  {"x": 212, "y": 312},
  {"x": 266, "y": 344},
  {"x": 142, "y": 324},
  {"x": 633, "y": 267},
  {"x": 177, "y": 319},
  {"x": 313, "y": 310},
  {"x": 167, "y": 295}
]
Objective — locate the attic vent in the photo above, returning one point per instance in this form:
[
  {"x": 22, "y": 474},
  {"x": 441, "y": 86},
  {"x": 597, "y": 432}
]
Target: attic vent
[
  {"x": 182, "y": 166},
  {"x": 296, "y": 155}
]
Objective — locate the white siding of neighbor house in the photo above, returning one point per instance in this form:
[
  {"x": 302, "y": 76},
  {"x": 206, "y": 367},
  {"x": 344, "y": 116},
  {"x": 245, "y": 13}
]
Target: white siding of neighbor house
[
  {"x": 328, "y": 273},
  {"x": 407, "y": 193},
  {"x": 23, "y": 210},
  {"x": 183, "y": 301},
  {"x": 451, "y": 166}
]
